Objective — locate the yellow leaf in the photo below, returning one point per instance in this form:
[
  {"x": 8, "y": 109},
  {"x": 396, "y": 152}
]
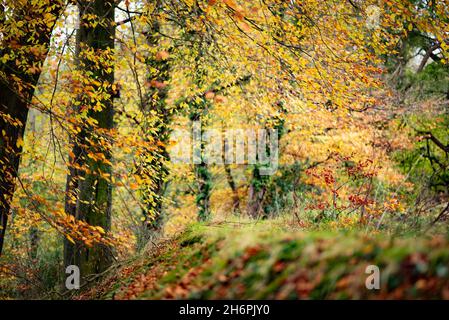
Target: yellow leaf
[
  {"x": 19, "y": 142},
  {"x": 70, "y": 239}
]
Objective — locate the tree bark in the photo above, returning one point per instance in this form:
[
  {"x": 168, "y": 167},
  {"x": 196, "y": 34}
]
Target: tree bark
[
  {"x": 202, "y": 173},
  {"x": 260, "y": 183},
  {"x": 89, "y": 178},
  {"x": 17, "y": 85},
  {"x": 235, "y": 193},
  {"x": 156, "y": 129}
]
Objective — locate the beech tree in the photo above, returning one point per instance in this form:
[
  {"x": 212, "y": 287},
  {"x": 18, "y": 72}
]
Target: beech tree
[
  {"x": 152, "y": 165},
  {"x": 89, "y": 188},
  {"x": 25, "y": 34}
]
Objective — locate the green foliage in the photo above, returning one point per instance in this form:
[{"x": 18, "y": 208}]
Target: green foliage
[
  {"x": 284, "y": 188},
  {"x": 426, "y": 163},
  {"x": 432, "y": 81},
  {"x": 204, "y": 184}
]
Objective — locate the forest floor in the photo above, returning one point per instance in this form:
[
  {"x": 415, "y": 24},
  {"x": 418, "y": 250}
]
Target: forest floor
[{"x": 267, "y": 260}]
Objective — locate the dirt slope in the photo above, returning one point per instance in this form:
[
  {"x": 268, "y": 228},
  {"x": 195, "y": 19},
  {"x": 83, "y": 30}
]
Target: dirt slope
[{"x": 259, "y": 261}]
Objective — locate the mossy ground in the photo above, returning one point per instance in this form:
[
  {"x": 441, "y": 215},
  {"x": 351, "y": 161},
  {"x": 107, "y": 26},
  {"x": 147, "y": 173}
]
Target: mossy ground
[{"x": 264, "y": 260}]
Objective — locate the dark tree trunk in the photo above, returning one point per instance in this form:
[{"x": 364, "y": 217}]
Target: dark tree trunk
[
  {"x": 89, "y": 190},
  {"x": 233, "y": 186},
  {"x": 256, "y": 195},
  {"x": 228, "y": 145},
  {"x": 17, "y": 85},
  {"x": 260, "y": 183},
  {"x": 13, "y": 107},
  {"x": 71, "y": 251}
]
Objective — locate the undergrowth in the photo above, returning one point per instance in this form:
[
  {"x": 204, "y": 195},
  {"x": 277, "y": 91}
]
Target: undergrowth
[{"x": 238, "y": 260}]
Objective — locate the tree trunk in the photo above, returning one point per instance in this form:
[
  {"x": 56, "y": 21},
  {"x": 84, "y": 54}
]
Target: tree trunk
[
  {"x": 204, "y": 184},
  {"x": 152, "y": 164},
  {"x": 34, "y": 233},
  {"x": 228, "y": 145},
  {"x": 260, "y": 183},
  {"x": 256, "y": 195},
  {"x": 202, "y": 174},
  {"x": 17, "y": 85},
  {"x": 89, "y": 178},
  {"x": 16, "y": 108}
]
